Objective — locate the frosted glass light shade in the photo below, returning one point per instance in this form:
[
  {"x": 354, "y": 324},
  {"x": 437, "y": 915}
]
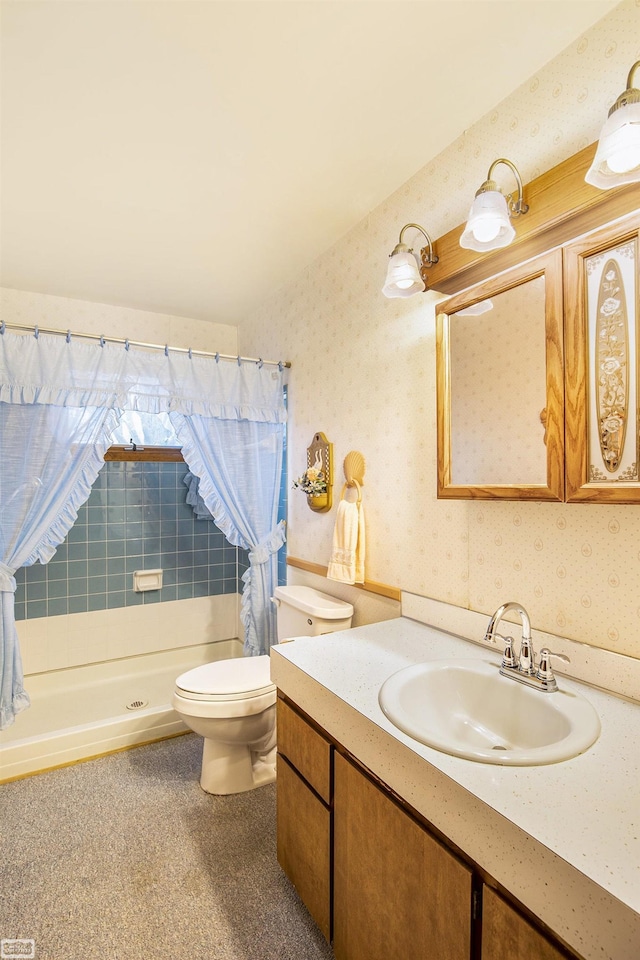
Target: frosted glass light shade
[
  {"x": 617, "y": 159},
  {"x": 488, "y": 226},
  {"x": 403, "y": 276}
]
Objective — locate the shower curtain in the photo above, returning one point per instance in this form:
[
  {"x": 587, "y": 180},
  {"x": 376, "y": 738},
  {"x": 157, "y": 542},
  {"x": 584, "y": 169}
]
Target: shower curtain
[
  {"x": 244, "y": 505},
  {"x": 59, "y": 403}
]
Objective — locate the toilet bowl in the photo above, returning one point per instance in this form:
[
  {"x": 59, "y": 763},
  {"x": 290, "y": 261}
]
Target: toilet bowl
[{"x": 232, "y": 703}]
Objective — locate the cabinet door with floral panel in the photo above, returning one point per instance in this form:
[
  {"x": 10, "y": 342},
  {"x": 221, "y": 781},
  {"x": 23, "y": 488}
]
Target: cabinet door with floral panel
[{"x": 602, "y": 343}]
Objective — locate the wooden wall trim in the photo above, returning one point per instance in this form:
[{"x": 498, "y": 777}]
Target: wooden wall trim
[
  {"x": 382, "y": 589},
  {"x": 562, "y": 207},
  {"x": 148, "y": 454}
]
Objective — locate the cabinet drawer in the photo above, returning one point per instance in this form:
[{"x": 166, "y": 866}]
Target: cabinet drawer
[
  {"x": 506, "y": 934},
  {"x": 304, "y": 843},
  {"x": 306, "y": 750}
]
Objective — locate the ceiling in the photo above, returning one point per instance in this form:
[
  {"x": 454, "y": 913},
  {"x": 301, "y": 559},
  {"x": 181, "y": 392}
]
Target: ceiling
[{"x": 191, "y": 157}]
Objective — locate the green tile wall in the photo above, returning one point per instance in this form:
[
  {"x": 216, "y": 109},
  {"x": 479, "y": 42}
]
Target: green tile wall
[{"x": 136, "y": 518}]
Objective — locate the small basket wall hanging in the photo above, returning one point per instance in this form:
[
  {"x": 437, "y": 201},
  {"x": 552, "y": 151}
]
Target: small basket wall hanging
[{"x": 317, "y": 480}]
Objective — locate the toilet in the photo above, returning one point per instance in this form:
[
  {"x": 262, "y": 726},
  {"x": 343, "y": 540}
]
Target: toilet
[{"x": 232, "y": 703}]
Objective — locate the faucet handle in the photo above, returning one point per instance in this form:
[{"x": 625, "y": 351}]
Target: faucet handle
[
  {"x": 509, "y": 658},
  {"x": 544, "y": 671}
]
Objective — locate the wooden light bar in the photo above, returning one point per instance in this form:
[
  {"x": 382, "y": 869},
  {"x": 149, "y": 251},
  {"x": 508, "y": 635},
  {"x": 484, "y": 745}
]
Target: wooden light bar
[{"x": 562, "y": 206}]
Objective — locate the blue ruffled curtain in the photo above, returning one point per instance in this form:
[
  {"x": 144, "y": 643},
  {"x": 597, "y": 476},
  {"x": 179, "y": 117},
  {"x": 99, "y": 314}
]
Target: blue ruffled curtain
[
  {"x": 60, "y": 401},
  {"x": 58, "y": 406},
  {"x": 238, "y": 467},
  {"x": 50, "y": 458}
]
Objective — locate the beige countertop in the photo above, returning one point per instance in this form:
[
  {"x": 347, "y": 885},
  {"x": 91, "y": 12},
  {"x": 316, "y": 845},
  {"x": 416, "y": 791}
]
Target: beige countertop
[{"x": 564, "y": 838}]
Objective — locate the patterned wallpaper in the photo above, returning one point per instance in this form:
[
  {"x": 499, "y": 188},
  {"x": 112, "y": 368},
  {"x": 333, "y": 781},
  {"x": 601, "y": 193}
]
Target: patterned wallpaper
[
  {"x": 364, "y": 373},
  {"x": 83, "y": 316}
]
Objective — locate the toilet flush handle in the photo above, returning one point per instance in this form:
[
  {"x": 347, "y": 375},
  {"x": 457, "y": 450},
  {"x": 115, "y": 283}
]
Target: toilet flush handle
[{"x": 275, "y": 600}]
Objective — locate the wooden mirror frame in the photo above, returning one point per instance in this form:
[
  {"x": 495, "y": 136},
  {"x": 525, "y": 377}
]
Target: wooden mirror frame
[{"x": 550, "y": 266}]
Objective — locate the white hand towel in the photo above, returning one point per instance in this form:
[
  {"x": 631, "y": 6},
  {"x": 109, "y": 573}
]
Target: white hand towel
[
  {"x": 360, "y": 548},
  {"x": 347, "y": 555}
]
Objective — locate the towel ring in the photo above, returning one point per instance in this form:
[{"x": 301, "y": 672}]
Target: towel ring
[{"x": 352, "y": 483}]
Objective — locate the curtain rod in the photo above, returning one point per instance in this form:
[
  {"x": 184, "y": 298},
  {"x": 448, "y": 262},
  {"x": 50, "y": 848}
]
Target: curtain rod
[{"x": 137, "y": 343}]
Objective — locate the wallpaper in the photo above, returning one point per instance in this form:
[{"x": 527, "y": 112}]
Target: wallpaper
[
  {"x": 364, "y": 373},
  {"x": 83, "y": 316}
]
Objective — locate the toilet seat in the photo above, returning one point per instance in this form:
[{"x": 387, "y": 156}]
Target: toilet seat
[{"x": 242, "y": 678}]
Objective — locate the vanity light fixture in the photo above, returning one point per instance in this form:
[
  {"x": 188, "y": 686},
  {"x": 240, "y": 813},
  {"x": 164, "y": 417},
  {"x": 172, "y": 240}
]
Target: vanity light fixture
[
  {"x": 617, "y": 159},
  {"x": 403, "y": 272},
  {"x": 489, "y": 225}
]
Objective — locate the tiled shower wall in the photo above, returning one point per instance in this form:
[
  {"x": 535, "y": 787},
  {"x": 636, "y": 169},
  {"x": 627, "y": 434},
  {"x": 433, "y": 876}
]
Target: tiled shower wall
[{"x": 136, "y": 518}]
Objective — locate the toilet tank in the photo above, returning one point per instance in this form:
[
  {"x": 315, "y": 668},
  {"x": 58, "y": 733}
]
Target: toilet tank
[{"x": 305, "y": 612}]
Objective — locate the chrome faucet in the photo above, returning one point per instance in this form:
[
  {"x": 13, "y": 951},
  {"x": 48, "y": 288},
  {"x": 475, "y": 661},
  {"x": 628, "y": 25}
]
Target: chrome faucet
[
  {"x": 522, "y": 667},
  {"x": 491, "y": 633}
]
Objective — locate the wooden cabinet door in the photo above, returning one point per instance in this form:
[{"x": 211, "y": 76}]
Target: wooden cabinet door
[
  {"x": 398, "y": 893},
  {"x": 602, "y": 331},
  {"x": 506, "y": 935},
  {"x": 304, "y": 843}
]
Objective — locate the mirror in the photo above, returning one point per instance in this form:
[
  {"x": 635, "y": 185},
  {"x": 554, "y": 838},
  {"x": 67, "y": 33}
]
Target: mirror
[{"x": 499, "y": 385}]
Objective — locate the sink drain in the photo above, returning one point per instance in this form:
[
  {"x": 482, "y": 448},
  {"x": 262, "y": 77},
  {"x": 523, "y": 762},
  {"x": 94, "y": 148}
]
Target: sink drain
[
  {"x": 499, "y": 747},
  {"x": 137, "y": 704}
]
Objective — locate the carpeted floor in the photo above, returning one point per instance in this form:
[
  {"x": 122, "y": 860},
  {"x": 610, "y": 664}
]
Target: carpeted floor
[{"x": 126, "y": 858}]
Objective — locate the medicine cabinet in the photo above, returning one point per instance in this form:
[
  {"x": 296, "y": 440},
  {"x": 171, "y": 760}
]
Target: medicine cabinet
[
  {"x": 500, "y": 386},
  {"x": 538, "y": 391}
]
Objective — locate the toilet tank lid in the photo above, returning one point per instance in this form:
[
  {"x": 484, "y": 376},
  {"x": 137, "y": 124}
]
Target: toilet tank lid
[
  {"x": 240, "y": 675},
  {"x": 313, "y": 602}
]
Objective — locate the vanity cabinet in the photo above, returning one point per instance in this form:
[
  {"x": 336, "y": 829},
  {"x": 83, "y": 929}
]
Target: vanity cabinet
[
  {"x": 398, "y": 893},
  {"x": 303, "y": 812},
  {"x": 377, "y": 881}
]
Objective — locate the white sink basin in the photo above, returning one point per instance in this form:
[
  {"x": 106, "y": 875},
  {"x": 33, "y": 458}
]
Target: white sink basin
[{"x": 467, "y": 709}]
